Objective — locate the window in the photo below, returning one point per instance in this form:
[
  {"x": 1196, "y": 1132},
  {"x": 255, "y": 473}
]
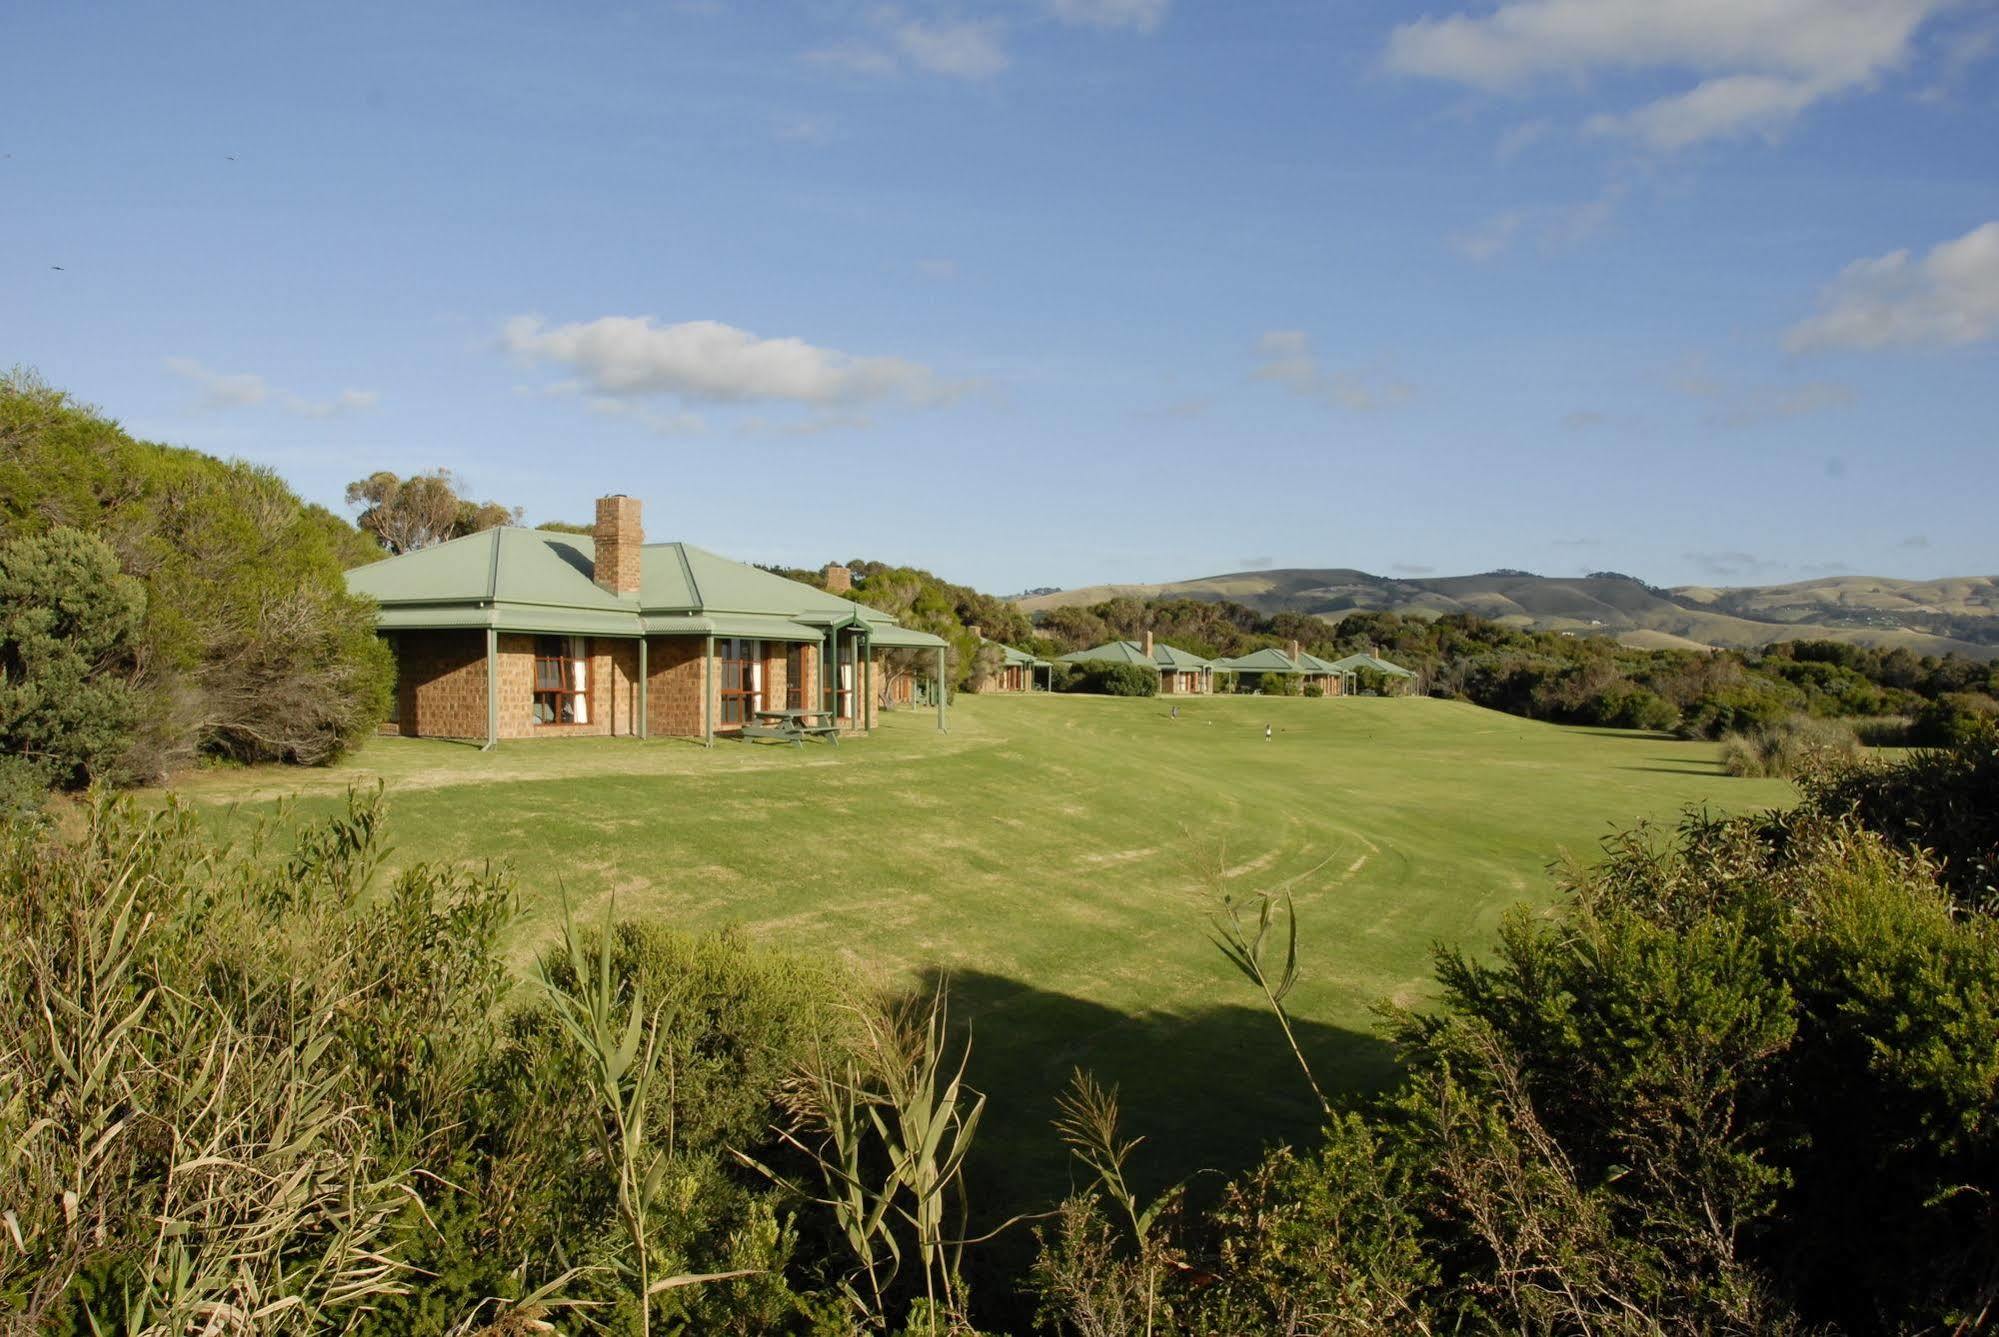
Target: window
[
  {"x": 843, "y": 705},
  {"x": 794, "y": 677},
  {"x": 561, "y": 680},
  {"x": 741, "y": 686}
]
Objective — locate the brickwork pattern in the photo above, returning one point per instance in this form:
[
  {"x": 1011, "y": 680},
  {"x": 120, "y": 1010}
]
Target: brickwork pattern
[
  {"x": 440, "y": 683},
  {"x": 618, "y": 536}
]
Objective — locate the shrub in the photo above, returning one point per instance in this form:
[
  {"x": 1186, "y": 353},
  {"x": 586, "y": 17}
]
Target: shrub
[
  {"x": 1943, "y": 801},
  {"x": 1114, "y": 680},
  {"x": 1790, "y": 747},
  {"x": 69, "y": 624},
  {"x": 1882, "y": 731},
  {"x": 251, "y": 646},
  {"x": 1954, "y": 718},
  {"x": 1737, "y": 709},
  {"x": 1314, "y": 689}
]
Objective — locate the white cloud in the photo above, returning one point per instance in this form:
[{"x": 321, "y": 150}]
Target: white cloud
[
  {"x": 941, "y": 271},
  {"x": 1757, "y": 63},
  {"x": 855, "y": 58},
  {"x": 1286, "y": 358},
  {"x": 1141, "y": 15},
  {"x": 1949, "y": 297},
  {"x": 347, "y": 401},
  {"x": 705, "y": 360},
  {"x": 960, "y": 50},
  {"x": 1490, "y": 237},
  {"x": 1518, "y": 139},
  {"x": 957, "y": 50},
  {"x": 1737, "y": 404},
  {"x": 241, "y": 389},
  {"x": 1556, "y": 227}
]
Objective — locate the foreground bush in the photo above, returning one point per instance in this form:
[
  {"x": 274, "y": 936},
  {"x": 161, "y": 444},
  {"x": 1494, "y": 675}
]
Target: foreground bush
[
  {"x": 1743, "y": 1081},
  {"x": 249, "y": 1090},
  {"x": 1789, "y": 747}
]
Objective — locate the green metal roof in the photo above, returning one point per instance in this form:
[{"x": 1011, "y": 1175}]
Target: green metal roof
[
  {"x": 1165, "y": 657},
  {"x": 1012, "y": 655},
  {"x": 904, "y": 638},
  {"x": 539, "y": 580},
  {"x": 1270, "y": 659},
  {"x": 1364, "y": 661},
  {"x": 1266, "y": 660}
]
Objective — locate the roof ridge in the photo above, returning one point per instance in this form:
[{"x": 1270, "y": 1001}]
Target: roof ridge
[
  {"x": 493, "y": 570},
  {"x": 693, "y": 585}
]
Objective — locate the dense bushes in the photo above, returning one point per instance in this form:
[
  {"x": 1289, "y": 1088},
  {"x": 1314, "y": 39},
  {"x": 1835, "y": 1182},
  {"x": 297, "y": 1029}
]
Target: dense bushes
[
  {"x": 1108, "y": 679},
  {"x": 1791, "y": 746},
  {"x": 69, "y": 628},
  {"x": 250, "y": 646},
  {"x": 248, "y": 1090},
  {"x": 1745, "y": 1081}
]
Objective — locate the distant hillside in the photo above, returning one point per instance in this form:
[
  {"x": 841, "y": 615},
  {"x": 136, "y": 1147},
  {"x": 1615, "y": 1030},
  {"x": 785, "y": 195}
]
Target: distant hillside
[{"x": 1927, "y": 617}]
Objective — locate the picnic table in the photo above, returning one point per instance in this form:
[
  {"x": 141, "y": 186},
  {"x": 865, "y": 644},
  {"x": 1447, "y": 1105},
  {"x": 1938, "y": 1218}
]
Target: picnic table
[{"x": 790, "y": 726}]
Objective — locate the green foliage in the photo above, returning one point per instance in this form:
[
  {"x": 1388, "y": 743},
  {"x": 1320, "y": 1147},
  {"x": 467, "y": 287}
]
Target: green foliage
[
  {"x": 251, "y": 647},
  {"x": 1790, "y": 747},
  {"x": 1111, "y": 679},
  {"x": 1944, "y": 802},
  {"x": 69, "y": 627},
  {"x": 404, "y": 514},
  {"x": 1329, "y": 1243},
  {"x": 1954, "y": 718}
]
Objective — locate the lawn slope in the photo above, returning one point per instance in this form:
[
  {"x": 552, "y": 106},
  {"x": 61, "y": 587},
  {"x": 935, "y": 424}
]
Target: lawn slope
[{"x": 1044, "y": 855}]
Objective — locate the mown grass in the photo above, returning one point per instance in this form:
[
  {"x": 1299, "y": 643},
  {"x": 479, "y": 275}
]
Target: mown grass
[{"x": 1045, "y": 854}]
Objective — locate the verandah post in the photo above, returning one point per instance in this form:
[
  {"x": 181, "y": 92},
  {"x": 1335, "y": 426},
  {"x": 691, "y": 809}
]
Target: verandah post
[
  {"x": 492, "y": 688},
  {"x": 644, "y": 714},
  {"x": 941, "y": 692},
  {"x": 708, "y": 696}
]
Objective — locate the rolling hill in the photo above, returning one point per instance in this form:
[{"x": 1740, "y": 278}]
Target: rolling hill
[{"x": 1928, "y": 617}]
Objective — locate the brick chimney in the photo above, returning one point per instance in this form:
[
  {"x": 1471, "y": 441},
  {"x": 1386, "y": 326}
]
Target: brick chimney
[
  {"x": 1294, "y": 652},
  {"x": 977, "y": 632},
  {"x": 619, "y": 537},
  {"x": 1148, "y": 645},
  {"x": 839, "y": 579}
]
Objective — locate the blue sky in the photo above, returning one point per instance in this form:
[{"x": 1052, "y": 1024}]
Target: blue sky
[{"x": 1052, "y": 292}]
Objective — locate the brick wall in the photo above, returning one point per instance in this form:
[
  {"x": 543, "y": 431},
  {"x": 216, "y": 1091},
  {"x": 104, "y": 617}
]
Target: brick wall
[
  {"x": 440, "y": 683},
  {"x": 676, "y": 672}
]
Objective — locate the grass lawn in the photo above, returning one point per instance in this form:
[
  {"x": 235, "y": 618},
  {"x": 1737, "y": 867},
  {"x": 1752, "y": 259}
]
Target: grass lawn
[{"x": 1044, "y": 854}]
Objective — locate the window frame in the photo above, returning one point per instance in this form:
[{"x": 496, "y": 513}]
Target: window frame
[{"x": 569, "y": 668}]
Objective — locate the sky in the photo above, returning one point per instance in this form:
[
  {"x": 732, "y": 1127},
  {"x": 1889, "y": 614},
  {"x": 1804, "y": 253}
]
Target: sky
[{"x": 1053, "y": 292}]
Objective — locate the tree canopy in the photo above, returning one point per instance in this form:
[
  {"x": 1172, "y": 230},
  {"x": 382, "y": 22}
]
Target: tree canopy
[{"x": 250, "y": 646}]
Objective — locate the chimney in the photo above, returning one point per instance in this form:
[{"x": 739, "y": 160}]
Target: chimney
[
  {"x": 1148, "y": 645},
  {"x": 1294, "y": 652},
  {"x": 839, "y": 579},
  {"x": 977, "y": 632},
  {"x": 619, "y": 537}
]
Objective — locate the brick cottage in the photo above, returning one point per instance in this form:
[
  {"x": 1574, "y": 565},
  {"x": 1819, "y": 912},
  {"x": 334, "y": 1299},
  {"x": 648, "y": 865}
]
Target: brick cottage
[{"x": 527, "y": 633}]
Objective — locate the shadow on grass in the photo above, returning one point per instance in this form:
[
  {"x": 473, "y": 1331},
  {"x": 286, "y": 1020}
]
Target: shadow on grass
[
  {"x": 1640, "y": 735},
  {"x": 1711, "y": 770},
  {"x": 1208, "y": 1090}
]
